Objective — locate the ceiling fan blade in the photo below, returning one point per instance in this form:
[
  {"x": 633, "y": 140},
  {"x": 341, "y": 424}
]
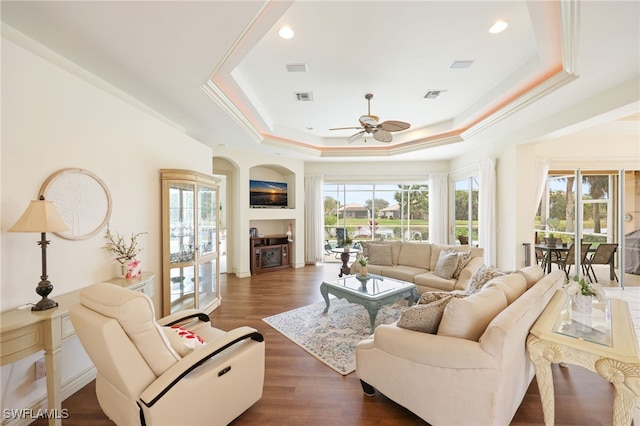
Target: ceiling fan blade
[
  {"x": 369, "y": 120},
  {"x": 382, "y": 135},
  {"x": 355, "y": 136},
  {"x": 394, "y": 126},
  {"x": 346, "y": 128}
]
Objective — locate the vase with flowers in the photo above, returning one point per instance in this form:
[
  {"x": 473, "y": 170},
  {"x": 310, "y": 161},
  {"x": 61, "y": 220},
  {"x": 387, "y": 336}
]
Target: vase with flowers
[
  {"x": 583, "y": 293},
  {"x": 125, "y": 252}
]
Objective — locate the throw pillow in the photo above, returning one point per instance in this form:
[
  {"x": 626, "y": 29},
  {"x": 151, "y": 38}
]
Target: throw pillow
[
  {"x": 380, "y": 254},
  {"x": 483, "y": 275},
  {"x": 463, "y": 259},
  {"x": 424, "y": 318},
  {"x": 182, "y": 340},
  {"x": 447, "y": 263},
  {"x": 431, "y": 296},
  {"x": 469, "y": 317}
]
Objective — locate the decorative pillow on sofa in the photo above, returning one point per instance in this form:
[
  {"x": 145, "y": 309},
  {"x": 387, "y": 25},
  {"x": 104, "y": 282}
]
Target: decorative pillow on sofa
[
  {"x": 447, "y": 263},
  {"x": 182, "y": 340},
  {"x": 431, "y": 296},
  {"x": 468, "y": 318},
  {"x": 380, "y": 254},
  {"x": 365, "y": 246},
  {"x": 425, "y": 318},
  {"x": 463, "y": 259},
  {"x": 483, "y": 275}
]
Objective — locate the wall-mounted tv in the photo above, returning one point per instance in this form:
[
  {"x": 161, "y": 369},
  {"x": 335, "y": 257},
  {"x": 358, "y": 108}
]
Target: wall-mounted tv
[{"x": 265, "y": 194}]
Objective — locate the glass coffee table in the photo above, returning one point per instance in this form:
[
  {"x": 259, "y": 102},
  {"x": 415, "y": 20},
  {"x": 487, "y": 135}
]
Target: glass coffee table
[{"x": 372, "y": 293}]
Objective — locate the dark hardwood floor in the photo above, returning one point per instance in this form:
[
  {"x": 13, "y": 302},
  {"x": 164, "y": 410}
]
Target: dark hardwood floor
[{"x": 300, "y": 390}]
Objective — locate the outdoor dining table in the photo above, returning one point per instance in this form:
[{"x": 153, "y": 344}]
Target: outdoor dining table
[{"x": 549, "y": 250}]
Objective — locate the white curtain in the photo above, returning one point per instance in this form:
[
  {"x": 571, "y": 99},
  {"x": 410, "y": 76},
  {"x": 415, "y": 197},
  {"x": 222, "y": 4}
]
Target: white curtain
[
  {"x": 487, "y": 209},
  {"x": 313, "y": 219},
  {"x": 438, "y": 208},
  {"x": 541, "y": 171}
]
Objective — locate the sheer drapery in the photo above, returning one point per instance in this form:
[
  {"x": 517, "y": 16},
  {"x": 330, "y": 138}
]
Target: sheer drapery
[
  {"x": 438, "y": 208},
  {"x": 541, "y": 171},
  {"x": 487, "y": 209},
  {"x": 313, "y": 219}
]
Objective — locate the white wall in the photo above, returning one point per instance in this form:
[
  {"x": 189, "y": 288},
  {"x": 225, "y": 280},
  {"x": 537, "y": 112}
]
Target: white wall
[{"x": 53, "y": 119}]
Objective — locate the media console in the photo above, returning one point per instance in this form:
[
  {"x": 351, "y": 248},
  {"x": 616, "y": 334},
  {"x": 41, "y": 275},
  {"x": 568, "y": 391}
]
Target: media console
[{"x": 269, "y": 253}]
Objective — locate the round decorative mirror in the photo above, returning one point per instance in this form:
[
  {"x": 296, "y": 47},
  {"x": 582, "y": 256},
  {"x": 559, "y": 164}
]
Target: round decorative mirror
[{"x": 82, "y": 199}]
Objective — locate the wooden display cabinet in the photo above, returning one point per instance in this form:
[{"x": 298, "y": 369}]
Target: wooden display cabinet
[{"x": 269, "y": 253}]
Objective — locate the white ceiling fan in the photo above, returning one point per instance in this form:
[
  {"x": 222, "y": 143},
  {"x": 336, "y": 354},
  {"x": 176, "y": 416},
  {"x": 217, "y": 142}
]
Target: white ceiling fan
[{"x": 369, "y": 125}]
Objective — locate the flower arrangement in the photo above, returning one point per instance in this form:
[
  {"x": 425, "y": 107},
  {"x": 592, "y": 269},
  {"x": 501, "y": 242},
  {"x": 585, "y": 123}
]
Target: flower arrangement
[
  {"x": 580, "y": 286},
  {"x": 117, "y": 245}
]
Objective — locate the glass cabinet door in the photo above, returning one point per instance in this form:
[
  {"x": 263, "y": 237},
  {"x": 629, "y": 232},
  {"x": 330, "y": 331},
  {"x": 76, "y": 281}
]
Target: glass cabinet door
[
  {"x": 181, "y": 221},
  {"x": 190, "y": 241},
  {"x": 207, "y": 220}
]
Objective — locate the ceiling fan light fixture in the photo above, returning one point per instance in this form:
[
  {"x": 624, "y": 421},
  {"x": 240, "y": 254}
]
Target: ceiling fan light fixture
[
  {"x": 498, "y": 27},
  {"x": 286, "y": 32}
]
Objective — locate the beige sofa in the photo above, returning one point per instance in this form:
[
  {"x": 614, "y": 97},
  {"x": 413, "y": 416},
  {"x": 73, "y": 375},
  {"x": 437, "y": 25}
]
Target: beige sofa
[
  {"x": 454, "y": 377},
  {"x": 416, "y": 263}
]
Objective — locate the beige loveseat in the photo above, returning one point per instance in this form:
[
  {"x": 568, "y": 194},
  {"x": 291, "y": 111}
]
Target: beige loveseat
[
  {"x": 468, "y": 373},
  {"x": 416, "y": 263}
]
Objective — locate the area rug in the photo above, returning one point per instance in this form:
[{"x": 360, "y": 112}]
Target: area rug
[{"x": 332, "y": 337}]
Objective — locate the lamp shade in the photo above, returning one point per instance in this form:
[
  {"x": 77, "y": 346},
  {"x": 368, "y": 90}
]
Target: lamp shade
[{"x": 40, "y": 216}]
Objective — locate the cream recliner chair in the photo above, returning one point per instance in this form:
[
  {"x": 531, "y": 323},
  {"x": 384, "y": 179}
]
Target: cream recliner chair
[{"x": 143, "y": 379}]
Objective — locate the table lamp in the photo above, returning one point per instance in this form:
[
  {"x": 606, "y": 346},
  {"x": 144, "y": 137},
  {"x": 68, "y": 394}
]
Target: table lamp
[{"x": 41, "y": 216}]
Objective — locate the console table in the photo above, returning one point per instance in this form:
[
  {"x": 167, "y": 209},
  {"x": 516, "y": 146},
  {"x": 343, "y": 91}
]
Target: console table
[
  {"x": 24, "y": 332},
  {"x": 603, "y": 342}
]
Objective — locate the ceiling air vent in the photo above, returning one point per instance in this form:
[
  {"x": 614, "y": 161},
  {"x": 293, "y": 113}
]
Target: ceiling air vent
[
  {"x": 434, "y": 94},
  {"x": 297, "y": 67},
  {"x": 460, "y": 65},
  {"x": 304, "y": 96}
]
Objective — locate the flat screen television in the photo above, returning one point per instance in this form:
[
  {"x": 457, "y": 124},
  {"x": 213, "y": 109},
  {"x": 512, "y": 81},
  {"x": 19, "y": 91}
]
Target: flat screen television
[{"x": 265, "y": 194}]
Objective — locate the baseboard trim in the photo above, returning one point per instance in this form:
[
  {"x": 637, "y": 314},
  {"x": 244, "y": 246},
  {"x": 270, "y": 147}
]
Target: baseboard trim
[{"x": 70, "y": 387}]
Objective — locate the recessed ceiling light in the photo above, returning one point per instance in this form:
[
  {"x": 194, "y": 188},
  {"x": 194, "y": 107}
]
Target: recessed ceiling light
[
  {"x": 498, "y": 27},
  {"x": 286, "y": 32}
]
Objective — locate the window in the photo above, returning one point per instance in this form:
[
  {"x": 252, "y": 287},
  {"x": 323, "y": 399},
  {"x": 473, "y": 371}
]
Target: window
[
  {"x": 556, "y": 214},
  {"x": 466, "y": 210},
  {"x": 376, "y": 211}
]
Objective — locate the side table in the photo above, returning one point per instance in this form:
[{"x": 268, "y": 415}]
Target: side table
[
  {"x": 345, "y": 254},
  {"x": 24, "y": 332},
  {"x": 610, "y": 350}
]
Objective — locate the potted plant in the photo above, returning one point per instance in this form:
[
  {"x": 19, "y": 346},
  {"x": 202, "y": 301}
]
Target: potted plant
[
  {"x": 346, "y": 243},
  {"x": 551, "y": 241},
  {"x": 363, "y": 261}
]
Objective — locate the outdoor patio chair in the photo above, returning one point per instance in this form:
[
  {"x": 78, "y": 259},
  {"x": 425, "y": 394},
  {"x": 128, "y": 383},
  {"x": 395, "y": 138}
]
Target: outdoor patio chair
[
  {"x": 603, "y": 255},
  {"x": 569, "y": 259}
]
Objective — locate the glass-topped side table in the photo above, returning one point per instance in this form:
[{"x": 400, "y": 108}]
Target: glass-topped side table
[
  {"x": 593, "y": 325},
  {"x": 558, "y": 336}
]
